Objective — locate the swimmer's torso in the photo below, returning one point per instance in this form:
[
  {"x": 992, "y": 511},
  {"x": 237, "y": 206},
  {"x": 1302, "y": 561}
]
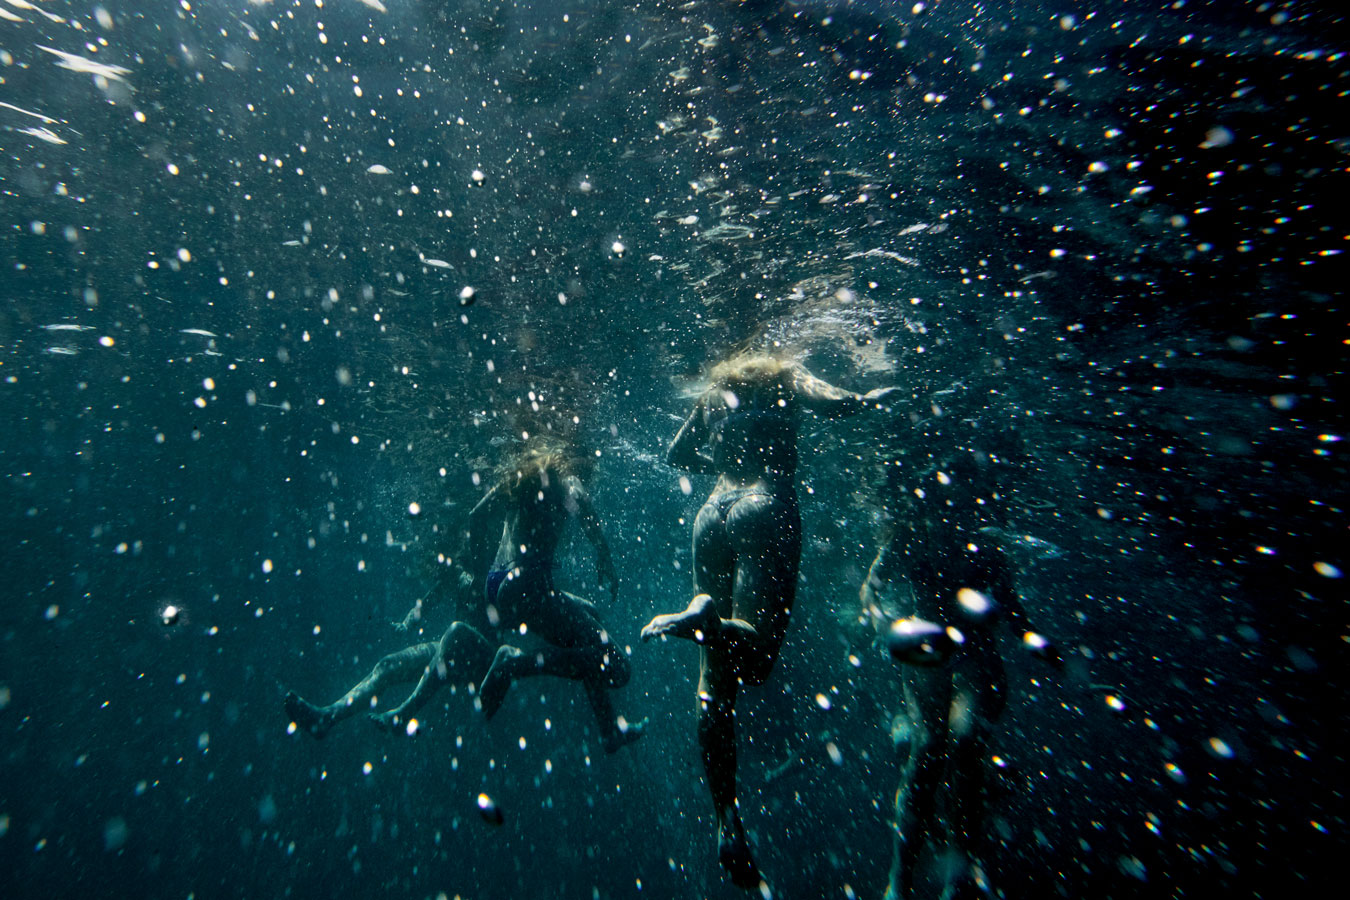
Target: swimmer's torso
[
  {"x": 534, "y": 521},
  {"x": 753, "y": 441},
  {"x": 940, "y": 548}
]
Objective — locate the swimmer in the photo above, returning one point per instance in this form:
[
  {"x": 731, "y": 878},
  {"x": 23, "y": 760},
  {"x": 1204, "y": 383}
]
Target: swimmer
[
  {"x": 534, "y": 495},
  {"x": 462, "y": 654},
  {"x": 954, "y": 585},
  {"x": 746, "y": 545}
]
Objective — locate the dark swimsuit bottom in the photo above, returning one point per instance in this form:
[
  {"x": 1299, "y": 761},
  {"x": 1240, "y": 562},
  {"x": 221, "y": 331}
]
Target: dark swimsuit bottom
[
  {"x": 493, "y": 584},
  {"x": 534, "y": 582},
  {"x": 723, "y": 501}
]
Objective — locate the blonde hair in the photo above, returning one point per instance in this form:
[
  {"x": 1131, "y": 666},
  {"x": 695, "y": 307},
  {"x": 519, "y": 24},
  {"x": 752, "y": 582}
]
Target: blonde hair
[
  {"x": 753, "y": 372},
  {"x": 526, "y": 467}
]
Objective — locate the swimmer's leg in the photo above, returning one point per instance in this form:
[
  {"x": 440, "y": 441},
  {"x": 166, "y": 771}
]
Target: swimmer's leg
[
  {"x": 717, "y": 740},
  {"x": 697, "y": 622},
  {"x": 462, "y": 654},
  {"x": 404, "y": 666},
  {"x": 582, "y": 650},
  {"x": 616, "y": 732},
  {"x": 714, "y": 574},
  {"x": 600, "y": 681},
  {"x": 752, "y": 566},
  {"x": 505, "y": 669},
  {"x": 979, "y": 700},
  {"x": 596, "y": 666},
  {"x": 922, "y": 765}
]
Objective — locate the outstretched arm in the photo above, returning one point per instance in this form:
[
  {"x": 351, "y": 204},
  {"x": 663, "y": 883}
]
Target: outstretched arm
[
  {"x": 466, "y": 567},
  {"x": 1037, "y": 644},
  {"x": 414, "y": 615},
  {"x": 481, "y": 540},
  {"x": 459, "y": 578},
  {"x": 825, "y": 399},
  {"x": 870, "y": 612},
  {"x": 590, "y": 526},
  {"x": 455, "y": 579},
  {"x": 686, "y": 451}
]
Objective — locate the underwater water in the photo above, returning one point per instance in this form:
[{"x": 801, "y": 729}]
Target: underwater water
[{"x": 283, "y": 282}]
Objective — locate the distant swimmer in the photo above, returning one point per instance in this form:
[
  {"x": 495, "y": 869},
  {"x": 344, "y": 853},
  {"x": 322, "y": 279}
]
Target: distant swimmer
[
  {"x": 536, "y": 491},
  {"x": 535, "y": 494},
  {"x": 938, "y": 586},
  {"x": 462, "y": 655},
  {"x": 747, "y": 543}
]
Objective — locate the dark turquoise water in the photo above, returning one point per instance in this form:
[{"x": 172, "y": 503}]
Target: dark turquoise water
[{"x": 233, "y": 350}]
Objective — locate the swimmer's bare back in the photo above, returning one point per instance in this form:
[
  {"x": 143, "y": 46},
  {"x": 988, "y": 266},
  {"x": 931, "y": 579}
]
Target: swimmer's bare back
[{"x": 747, "y": 542}]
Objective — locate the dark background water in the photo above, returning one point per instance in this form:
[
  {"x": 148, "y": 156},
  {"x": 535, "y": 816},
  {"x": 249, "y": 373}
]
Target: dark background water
[{"x": 1112, "y": 230}]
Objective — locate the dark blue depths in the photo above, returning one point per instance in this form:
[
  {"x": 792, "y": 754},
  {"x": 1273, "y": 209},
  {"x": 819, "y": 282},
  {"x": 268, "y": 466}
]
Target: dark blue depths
[{"x": 1105, "y": 238}]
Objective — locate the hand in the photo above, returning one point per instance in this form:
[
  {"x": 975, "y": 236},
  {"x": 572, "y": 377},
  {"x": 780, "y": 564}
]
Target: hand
[
  {"x": 608, "y": 578},
  {"x": 1039, "y": 646},
  {"x": 414, "y": 615},
  {"x": 880, "y": 395}
]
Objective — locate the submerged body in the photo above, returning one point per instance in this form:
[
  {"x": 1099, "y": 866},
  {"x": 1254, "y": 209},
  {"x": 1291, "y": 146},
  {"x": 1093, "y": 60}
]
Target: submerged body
[
  {"x": 746, "y": 550},
  {"x": 519, "y": 594},
  {"x": 961, "y": 584},
  {"x": 532, "y": 501}
]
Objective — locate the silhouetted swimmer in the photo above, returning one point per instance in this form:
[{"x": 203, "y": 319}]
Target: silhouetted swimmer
[
  {"x": 523, "y": 513},
  {"x": 747, "y": 544},
  {"x": 961, "y": 585},
  {"x": 534, "y": 496}
]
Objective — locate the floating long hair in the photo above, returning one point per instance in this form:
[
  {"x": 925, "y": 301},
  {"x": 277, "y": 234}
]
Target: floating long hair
[
  {"x": 539, "y": 459},
  {"x": 754, "y": 374}
]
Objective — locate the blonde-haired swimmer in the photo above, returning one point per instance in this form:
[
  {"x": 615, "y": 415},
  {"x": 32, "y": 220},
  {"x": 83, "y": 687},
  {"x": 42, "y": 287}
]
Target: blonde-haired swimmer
[
  {"x": 747, "y": 543},
  {"x": 533, "y": 496}
]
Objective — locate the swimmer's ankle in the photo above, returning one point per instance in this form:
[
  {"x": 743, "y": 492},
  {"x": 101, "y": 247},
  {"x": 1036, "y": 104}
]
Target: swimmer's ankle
[
  {"x": 386, "y": 721},
  {"x": 316, "y": 720},
  {"x": 697, "y": 622},
  {"x": 733, "y": 853},
  {"x": 624, "y": 733}
]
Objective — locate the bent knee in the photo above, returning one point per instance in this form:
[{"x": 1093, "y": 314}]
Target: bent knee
[
  {"x": 392, "y": 664},
  {"x": 757, "y": 669},
  {"x": 461, "y": 632}
]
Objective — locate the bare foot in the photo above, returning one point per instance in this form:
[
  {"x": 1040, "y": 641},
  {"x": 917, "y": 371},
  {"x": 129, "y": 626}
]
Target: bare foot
[
  {"x": 492, "y": 692},
  {"x": 733, "y": 852},
  {"x": 624, "y": 734},
  {"x": 306, "y": 715},
  {"x": 698, "y": 620},
  {"x": 385, "y": 721}
]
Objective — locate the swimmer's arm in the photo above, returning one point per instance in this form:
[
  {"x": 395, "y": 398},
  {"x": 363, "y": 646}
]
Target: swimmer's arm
[
  {"x": 1036, "y": 643},
  {"x": 590, "y": 526},
  {"x": 825, "y": 399},
  {"x": 870, "y": 610},
  {"x": 482, "y": 539},
  {"x": 686, "y": 450},
  {"x": 458, "y": 580},
  {"x": 474, "y": 549},
  {"x": 414, "y": 615}
]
